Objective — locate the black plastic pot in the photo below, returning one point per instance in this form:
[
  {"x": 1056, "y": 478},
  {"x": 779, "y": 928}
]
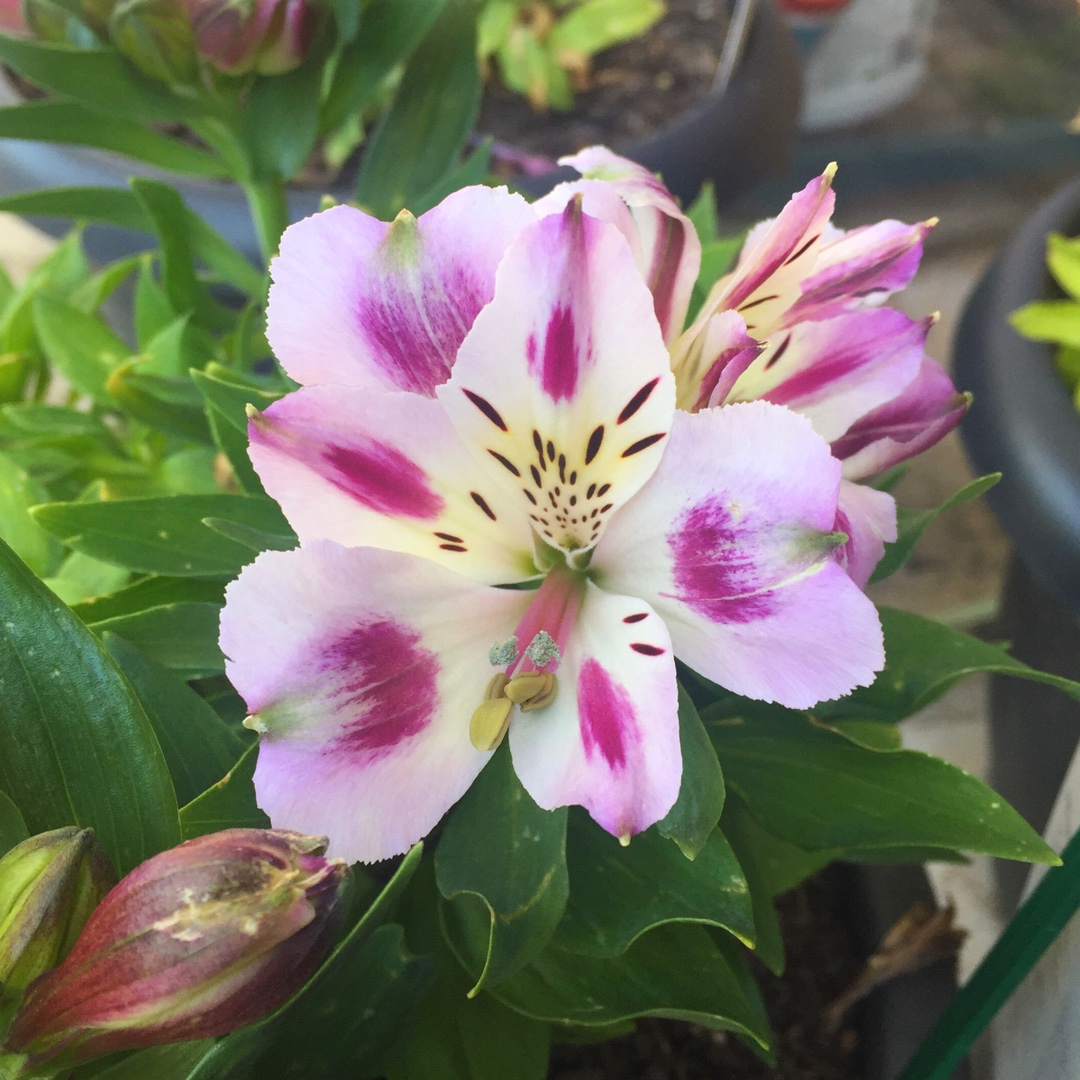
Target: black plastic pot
[
  {"x": 1025, "y": 425},
  {"x": 733, "y": 138}
]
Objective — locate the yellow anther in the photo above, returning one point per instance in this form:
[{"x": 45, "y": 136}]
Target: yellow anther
[
  {"x": 543, "y": 699},
  {"x": 523, "y": 688},
  {"x": 624, "y": 839},
  {"x": 489, "y": 723}
]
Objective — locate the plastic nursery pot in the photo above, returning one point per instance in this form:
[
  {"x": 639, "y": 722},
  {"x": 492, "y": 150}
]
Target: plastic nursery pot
[
  {"x": 1025, "y": 425},
  {"x": 733, "y": 138}
]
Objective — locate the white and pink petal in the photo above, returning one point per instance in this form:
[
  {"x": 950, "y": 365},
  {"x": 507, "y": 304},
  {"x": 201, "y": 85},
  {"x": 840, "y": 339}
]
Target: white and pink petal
[
  {"x": 732, "y": 543},
  {"x": 868, "y": 518},
  {"x": 610, "y": 740},
  {"x": 363, "y": 302},
  {"x": 360, "y": 669}
]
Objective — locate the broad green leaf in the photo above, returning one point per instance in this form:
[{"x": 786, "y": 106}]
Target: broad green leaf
[
  {"x": 162, "y": 535},
  {"x": 817, "y": 789},
  {"x": 347, "y": 14},
  {"x": 473, "y": 170},
  {"x": 501, "y": 865},
  {"x": 1049, "y": 320},
  {"x": 598, "y": 24},
  {"x": 99, "y": 78},
  {"x": 69, "y": 122},
  {"x": 220, "y": 257},
  {"x": 13, "y": 829},
  {"x": 90, "y": 294},
  {"x": 390, "y": 31},
  {"x": 68, "y": 719},
  {"x": 229, "y": 804},
  {"x": 691, "y": 821},
  {"x": 110, "y": 206},
  {"x": 168, "y": 404},
  {"x": 423, "y": 131},
  {"x": 199, "y": 747},
  {"x": 256, "y": 539},
  {"x": 171, "y": 1062},
  {"x": 280, "y": 120},
  {"x": 181, "y": 637},
  {"x": 923, "y": 659},
  {"x": 351, "y": 1003},
  {"x": 81, "y": 578},
  {"x": 911, "y": 524},
  {"x": 1063, "y": 259},
  {"x": 18, "y": 492},
  {"x": 717, "y": 257},
  {"x": 872, "y": 734},
  {"x": 153, "y": 312},
  {"x": 151, "y": 592},
  {"x": 190, "y": 471},
  {"x": 617, "y": 894},
  {"x": 62, "y": 270},
  {"x": 80, "y": 346},
  {"x": 176, "y": 349},
  {"x": 702, "y": 214},
  {"x": 675, "y": 971}
]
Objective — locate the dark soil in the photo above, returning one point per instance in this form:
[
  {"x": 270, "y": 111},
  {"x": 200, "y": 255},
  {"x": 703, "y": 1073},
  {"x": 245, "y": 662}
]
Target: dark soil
[
  {"x": 823, "y": 959},
  {"x": 634, "y": 89}
]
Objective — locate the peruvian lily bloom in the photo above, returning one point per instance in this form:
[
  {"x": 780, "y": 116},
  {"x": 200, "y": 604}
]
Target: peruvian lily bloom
[{"x": 385, "y": 658}]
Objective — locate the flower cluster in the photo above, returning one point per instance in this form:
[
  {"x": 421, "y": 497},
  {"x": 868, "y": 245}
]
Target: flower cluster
[{"x": 522, "y": 491}]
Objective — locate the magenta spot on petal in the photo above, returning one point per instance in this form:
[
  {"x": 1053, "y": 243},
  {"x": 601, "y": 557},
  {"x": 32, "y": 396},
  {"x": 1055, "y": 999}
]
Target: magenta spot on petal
[
  {"x": 607, "y": 714},
  {"x": 557, "y": 364},
  {"x": 383, "y": 479},
  {"x": 715, "y": 567},
  {"x": 388, "y": 683}
]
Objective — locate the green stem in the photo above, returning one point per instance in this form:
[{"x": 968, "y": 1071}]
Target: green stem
[{"x": 269, "y": 212}]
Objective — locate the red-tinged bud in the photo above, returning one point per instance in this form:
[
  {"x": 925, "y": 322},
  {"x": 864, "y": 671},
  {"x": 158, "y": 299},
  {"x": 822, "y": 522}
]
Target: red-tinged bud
[
  {"x": 195, "y": 942},
  {"x": 49, "y": 885},
  {"x": 269, "y": 37},
  {"x": 156, "y": 37},
  {"x": 11, "y": 18}
]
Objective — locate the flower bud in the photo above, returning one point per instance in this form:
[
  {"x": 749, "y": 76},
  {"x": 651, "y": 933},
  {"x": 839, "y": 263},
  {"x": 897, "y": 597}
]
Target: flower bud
[
  {"x": 156, "y": 37},
  {"x": 58, "y": 21},
  {"x": 49, "y": 885},
  {"x": 270, "y": 37},
  {"x": 195, "y": 942},
  {"x": 12, "y": 20}
]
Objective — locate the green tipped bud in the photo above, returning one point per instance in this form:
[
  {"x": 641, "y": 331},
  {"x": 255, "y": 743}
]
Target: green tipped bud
[
  {"x": 156, "y": 37},
  {"x": 49, "y": 885},
  {"x": 60, "y": 22}
]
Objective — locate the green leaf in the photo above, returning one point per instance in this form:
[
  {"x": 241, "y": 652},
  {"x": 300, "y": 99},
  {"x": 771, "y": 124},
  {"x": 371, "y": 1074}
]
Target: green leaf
[
  {"x": 924, "y": 659},
  {"x": 80, "y": 346},
  {"x": 176, "y": 349},
  {"x": 181, "y": 637},
  {"x": 90, "y": 294},
  {"x": 280, "y": 120},
  {"x": 109, "y": 206},
  {"x": 702, "y": 214},
  {"x": 18, "y": 492},
  {"x": 162, "y": 535},
  {"x": 229, "y": 804},
  {"x": 691, "y": 821},
  {"x": 351, "y": 1003},
  {"x": 620, "y": 893},
  {"x": 13, "y": 829},
  {"x": 256, "y": 539},
  {"x": 390, "y": 31},
  {"x": 501, "y": 865},
  {"x": 70, "y": 122},
  {"x": 473, "y": 170},
  {"x": 423, "y": 131},
  {"x": 199, "y": 747},
  {"x": 68, "y": 719},
  {"x": 153, "y": 312},
  {"x": 598, "y": 24},
  {"x": 1063, "y": 259},
  {"x": 675, "y": 971},
  {"x": 817, "y": 789},
  {"x": 911, "y": 524},
  {"x": 151, "y": 592},
  {"x": 98, "y": 78},
  {"x": 172, "y": 1062},
  {"x": 167, "y": 404},
  {"x": 1049, "y": 320}
]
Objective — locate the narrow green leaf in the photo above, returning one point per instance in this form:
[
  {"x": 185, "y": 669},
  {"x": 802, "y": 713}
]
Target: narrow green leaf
[
  {"x": 620, "y": 893},
  {"x": 691, "y": 821},
  {"x": 1049, "y": 320},
  {"x": 81, "y": 578},
  {"x": 423, "y": 131},
  {"x": 67, "y": 718},
  {"x": 70, "y": 122},
  {"x": 702, "y": 213},
  {"x": 13, "y": 829},
  {"x": 166, "y": 209},
  {"x": 172, "y": 1062},
  {"x": 99, "y": 78},
  {"x": 181, "y": 637},
  {"x": 153, "y": 312},
  {"x": 18, "y": 492},
  {"x": 162, "y": 535},
  {"x": 167, "y": 404},
  {"x": 80, "y": 346},
  {"x": 199, "y": 747},
  {"x": 1063, "y": 259},
  {"x": 228, "y": 804},
  {"x": 912, "y": 524},
  {"x": 280, "y": 120},
  {"x": 150, "y": 592},
  {"x": 109, "y": 206},
  {"x": 819, "y": 790},
  {"x": 593, "y": 25},
  {"x": 501, "y": 865},
  {"x": 473, "y": 170},
  {"x": 256, "y": 539},
  {"x": 96, "y": 289}
]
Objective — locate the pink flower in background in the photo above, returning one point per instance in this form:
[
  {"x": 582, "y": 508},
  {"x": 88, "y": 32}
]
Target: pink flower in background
[
  {"x": 11, "y": 18},
  {"x": 540, "y": 447}
]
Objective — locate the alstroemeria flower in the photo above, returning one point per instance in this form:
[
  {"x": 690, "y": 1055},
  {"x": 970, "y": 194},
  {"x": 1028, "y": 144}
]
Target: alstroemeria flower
[{"x": 382, "y": 661}]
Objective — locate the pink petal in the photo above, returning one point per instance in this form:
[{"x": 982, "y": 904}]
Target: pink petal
[
  {"x": 663, "y": 238},
  {"x": 361, "y": 669},
  {"x": 564, "y": 381},
  {"x": 868, "y": 516},
  {"x": 731, "y": 543},
  {"x": 362, "y": 302},
  {"x": 387, "y": 470},
  {"x": 835, "y": 372},
  {"x": 610, "y": 740},
  {"x": 926, "y": 410},
  {"x": 709, "y": 358}
]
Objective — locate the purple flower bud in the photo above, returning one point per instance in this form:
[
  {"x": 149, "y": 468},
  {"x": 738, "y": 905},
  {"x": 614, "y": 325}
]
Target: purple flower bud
[
  {"x": 195, "y": 942},
  {"x": 270, "y": 37},
  {"x": 49, "y": 885}
]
